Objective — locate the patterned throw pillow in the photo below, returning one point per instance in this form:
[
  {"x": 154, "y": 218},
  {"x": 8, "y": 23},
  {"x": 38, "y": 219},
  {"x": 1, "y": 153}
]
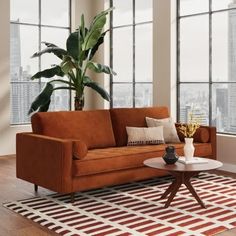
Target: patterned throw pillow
[
  {"x": 169, "y": 130},
  {"x": 144, "y": 136}
]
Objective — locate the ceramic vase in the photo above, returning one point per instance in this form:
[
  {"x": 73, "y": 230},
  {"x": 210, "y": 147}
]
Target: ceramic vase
[
  {"x": 189, "y": 149},
  {"x": 170, "y": 156}
]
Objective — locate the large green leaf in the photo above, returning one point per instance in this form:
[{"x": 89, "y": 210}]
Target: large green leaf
[
  {"x": 49, "y": 73},
  {"x": 67, "y": 65},
  {"x": 95, "y": 30},
  {"x": 92, "y": 84},
  {"x": 42, "y": 101},
  {"x": 49, "y": 44},
  {"x": 92, "y": 37},
  {"x": 74, "y": 42},
  {"x": 100, "y": 15},
  {"x": 59, "y": 52},
  {"x": 56, "y": 81},
  {"x": 66, "y": 88},
  {"x": 45, "y": 107},
  {"x": 82, "y": 26},
  {"x": 73, "y": 45},
  {"x": 99, "y": 68},
  {"x": 97, "y": 45}
]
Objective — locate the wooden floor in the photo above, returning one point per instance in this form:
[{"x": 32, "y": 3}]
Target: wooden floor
[{"x": 12, "y": 189}]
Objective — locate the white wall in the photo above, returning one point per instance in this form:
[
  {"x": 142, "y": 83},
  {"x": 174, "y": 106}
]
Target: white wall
[
  {"x": 226, "y": 146},
  {"x": 7, "y": 132}
]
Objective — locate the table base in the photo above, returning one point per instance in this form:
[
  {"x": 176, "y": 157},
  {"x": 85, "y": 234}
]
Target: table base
[{"x": 181, "y": 178}]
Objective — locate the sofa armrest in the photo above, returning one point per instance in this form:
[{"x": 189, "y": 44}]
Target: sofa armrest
[
  {"x": 212, "y": 139},
  {"x": 44, "y": 161}
]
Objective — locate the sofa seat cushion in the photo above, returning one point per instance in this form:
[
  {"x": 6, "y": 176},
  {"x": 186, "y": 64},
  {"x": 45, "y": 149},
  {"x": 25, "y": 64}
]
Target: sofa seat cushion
[
  {"x": 119, "y": 158},
  {"x": 94, "y": 128}
]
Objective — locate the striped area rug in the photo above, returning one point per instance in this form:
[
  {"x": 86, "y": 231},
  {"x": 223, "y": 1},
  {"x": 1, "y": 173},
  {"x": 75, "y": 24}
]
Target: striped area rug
[{"x": 135, "y": 209}]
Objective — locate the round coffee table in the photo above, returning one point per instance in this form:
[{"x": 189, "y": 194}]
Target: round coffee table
[{"x": 182, "y": 174}]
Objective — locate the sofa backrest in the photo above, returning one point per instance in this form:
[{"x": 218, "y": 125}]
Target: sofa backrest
[
  {"x": 135, "y": 117},
  {"x": 92, "y": 127}
]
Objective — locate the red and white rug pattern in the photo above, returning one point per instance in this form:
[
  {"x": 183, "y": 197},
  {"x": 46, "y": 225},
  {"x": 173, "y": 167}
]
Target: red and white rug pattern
[{"x": 135, "y": 209}]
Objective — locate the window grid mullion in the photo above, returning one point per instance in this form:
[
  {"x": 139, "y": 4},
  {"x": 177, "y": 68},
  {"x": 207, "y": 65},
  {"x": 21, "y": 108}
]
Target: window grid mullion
[
  {"x": 178, "y": 61},
  {"x": 111, "y": 54},
  {"x": 135, "y": 24},
  {"x": 70, "y": 26},
  {"x": 131, "y": 82},
  {"x": 210, "y": 62},
  {"x": 202, "y": 82},
  {"x": 133, "y": 27},
  {"x": 32, "y": 24},
  {"x": 39, "y": 46},
  {"x": 206, "y": 12}
]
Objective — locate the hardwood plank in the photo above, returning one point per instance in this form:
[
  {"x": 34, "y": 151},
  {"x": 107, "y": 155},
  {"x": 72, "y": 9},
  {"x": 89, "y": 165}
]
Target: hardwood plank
[
  {"x": 29, "y": 231},
  {"x": 12, "y": 189}
]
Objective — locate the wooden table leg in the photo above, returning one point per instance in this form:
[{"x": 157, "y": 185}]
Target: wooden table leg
[
  {"x": 173, "y": 192},
  {"x": 36, "y": 188},
  {"x": 168, "y": 190},
  {"x": 181, "y": 178},
  {"x": 187, "y": 183}
]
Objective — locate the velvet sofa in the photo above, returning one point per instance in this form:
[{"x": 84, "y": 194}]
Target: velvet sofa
[{"x": 80, "y": 150}]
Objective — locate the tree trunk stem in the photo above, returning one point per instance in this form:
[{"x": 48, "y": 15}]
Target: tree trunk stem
[{"x": 79, "y": 103}]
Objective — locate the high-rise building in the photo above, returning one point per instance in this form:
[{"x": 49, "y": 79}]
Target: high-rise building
[
  {"x": 22, "y": 90},
  {"x": 15, "y": 52},
  {"x": 184, "y": 111},
  {"x": 220, "y": 118}
]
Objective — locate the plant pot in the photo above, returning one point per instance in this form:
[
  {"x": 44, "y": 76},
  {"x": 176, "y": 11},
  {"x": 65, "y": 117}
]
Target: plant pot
[
  {"x": 170, "y": 156},
  {"x": 189, "y": 149}
]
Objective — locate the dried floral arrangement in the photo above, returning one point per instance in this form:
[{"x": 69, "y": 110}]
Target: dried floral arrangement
[{"x": 189, "y": 129}]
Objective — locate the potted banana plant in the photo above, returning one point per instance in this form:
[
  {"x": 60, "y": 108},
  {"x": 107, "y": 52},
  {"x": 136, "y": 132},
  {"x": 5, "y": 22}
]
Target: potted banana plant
[{"x": 76, "y": 60}]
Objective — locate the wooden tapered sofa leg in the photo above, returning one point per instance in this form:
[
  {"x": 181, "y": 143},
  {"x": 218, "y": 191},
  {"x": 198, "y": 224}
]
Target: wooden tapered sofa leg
[
  {"x": 36, "y": 188},
  {"x": 72, "y": 197}
]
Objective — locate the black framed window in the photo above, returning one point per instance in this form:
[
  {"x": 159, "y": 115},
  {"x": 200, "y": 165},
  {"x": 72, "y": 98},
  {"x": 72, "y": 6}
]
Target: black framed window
[
  {"x": 131, "y": 53},
  {"x": 206, "y": 80},
  {"x": 33, "y": 22}
]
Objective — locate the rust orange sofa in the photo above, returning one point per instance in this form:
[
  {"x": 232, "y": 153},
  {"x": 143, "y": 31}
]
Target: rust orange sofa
[{"x": 80, "y": 150}]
